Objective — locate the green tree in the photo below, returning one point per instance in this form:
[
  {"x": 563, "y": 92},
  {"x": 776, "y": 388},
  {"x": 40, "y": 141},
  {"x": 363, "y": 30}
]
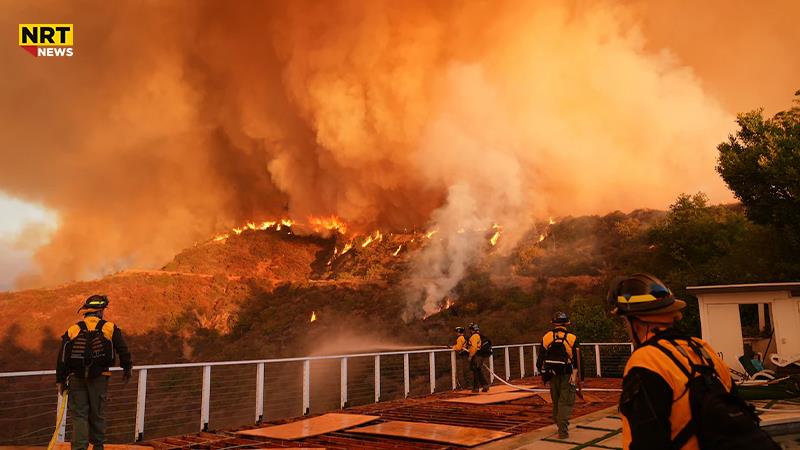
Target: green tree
[
  {"x": 592, "y": 322},
  {"x": 761, "y": 164}
]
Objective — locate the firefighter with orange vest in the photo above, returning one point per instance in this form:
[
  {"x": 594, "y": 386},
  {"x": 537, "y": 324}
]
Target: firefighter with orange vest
[
  {"x": 676, "y": 392},
  {"x": 87, "y": 351},
  {"x": 462, "y": 358},
  {"x": 559, "y": 364}
]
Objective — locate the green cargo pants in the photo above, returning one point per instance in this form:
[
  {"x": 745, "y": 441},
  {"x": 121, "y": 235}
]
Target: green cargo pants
[
  {"x": 563, "y": 394},
  {"x": 87, "y": 404}
]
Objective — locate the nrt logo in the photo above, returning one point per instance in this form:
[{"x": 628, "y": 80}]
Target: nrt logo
[{"x": 48, "y": 39}]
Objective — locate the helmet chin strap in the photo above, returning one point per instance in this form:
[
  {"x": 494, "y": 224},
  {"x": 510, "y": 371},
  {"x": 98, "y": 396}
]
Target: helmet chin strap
[{"x": 636, "y": 341}]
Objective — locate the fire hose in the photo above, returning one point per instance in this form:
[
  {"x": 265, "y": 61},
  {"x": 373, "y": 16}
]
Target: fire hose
[
  {"x": 60, "y": 418},
  {"x": 545, "y": 390}
]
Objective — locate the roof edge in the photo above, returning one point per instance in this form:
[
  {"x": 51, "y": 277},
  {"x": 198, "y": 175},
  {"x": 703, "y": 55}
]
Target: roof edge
[{"x": 792, "y": 286}]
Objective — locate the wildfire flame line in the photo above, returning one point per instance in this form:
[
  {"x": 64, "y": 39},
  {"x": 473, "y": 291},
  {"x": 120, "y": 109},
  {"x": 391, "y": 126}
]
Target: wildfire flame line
[{"x": 313, "y": 317}]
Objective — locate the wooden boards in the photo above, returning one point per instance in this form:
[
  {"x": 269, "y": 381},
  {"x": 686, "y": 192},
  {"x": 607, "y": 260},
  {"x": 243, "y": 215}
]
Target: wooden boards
[
  {"x": 67, "y": 446},
  {"x": 315, "y": 426},
  {"x": 448, "y": 434},
  {"x": 493, "y": 398}
]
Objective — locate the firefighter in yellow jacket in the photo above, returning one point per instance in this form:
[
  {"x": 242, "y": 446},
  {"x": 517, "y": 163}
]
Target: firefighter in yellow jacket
[
  {"x": 462, "y": 358},
  {"x": 655, "y": 404},
  {"x": 477, "y": 359},
  {"x": 559, "y": 364},
  {"x": 88, "y": 350}
]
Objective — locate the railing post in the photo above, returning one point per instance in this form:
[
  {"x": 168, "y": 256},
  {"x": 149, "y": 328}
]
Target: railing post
[
  {"x": 453, "y": 368},
  {"x": 306, "y": 387},
  {"x": 522, "y": 361},
  {"x": 597, "y": 359},
  {"x": 507, "y": 361},
  {"x": 141, "y": 398},
  {"x": 406, "y": 387},
  {"x": 343, "y": 378},
  {"x": 491, "y": 369},
  {"x": 377, "y": 378},
  {"x": 535, "y": 357},
  {"x": 259, "y": 392},
  {"x": 432, "y": 364},
  {"x": 205, "y": 399}
]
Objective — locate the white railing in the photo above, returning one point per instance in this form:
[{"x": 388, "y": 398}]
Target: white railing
[{"x": 169, "y": 390}]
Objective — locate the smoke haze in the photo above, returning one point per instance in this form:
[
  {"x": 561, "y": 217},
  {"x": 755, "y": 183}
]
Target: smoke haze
[{"x": 175, "y": 121}]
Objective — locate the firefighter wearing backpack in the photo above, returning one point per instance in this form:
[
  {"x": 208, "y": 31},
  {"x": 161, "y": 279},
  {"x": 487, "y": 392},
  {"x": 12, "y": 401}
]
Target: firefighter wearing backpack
[
  {"x": 87, "y": 351},
  {"x": 479, "y": 348},
  {"x": 676, "y": 392},
  {"x": 559, "y": 364}
]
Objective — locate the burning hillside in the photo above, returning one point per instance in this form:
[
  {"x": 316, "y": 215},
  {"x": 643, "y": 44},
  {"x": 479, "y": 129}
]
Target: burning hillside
[{"x": 218, "y": 287}]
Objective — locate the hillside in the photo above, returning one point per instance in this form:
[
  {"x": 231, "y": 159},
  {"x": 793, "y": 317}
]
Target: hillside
[{"x": 252, "y": 294}]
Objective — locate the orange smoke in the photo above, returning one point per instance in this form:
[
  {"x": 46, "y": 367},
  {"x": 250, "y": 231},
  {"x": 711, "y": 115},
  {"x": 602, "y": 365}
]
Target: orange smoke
[{"x": 374, "y": 113}]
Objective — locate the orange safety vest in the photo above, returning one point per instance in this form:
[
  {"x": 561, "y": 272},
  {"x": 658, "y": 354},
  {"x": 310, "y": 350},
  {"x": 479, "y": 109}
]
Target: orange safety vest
[{"x": 653, "y": 359}]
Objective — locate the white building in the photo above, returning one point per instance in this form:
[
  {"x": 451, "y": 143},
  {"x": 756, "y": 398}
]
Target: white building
[{"x": 720, "y": 318}]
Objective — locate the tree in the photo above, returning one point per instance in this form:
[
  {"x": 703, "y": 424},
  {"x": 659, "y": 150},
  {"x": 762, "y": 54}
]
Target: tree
[{"x": 761, "y": 164}]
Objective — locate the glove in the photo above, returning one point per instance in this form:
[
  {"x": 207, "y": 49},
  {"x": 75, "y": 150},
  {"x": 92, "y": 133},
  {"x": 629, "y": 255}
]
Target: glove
[
  {"x": 573, "y": 377},
  {"x": 61, "y": 388},
  {"x": 126, "y": 376}
]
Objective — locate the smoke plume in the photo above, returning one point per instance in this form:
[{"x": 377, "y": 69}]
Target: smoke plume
[{"x": 177, "y": 120}]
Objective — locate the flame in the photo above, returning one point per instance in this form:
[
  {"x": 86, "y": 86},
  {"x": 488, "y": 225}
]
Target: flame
[
  {"x": 346, "y": 248},
  {"x": 429, "y": 234},
  {"x": 313, "y": 317},
  {"x": 331, "y": 223},
  {"x": 550, "y": 221},
  {"x": 541, "y": 237},
  {"x": 398, "y": 250},
  {"x": 378, "y": 236},
  {"x": 367, "y": 242},
  {"x": 494, "y": 238},
  {"x": 221, "y": 237},
  {"x": 449, "y": 303}
]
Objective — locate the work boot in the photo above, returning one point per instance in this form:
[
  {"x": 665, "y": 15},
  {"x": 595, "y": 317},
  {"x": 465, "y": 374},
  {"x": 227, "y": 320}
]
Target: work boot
[
  {"x": 475, "y": 390},
  {"x": 563, "y": 435},
  {"x": 486, "y": 388}
]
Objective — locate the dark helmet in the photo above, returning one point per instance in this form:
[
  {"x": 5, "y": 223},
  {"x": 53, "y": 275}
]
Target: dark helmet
[
  {"x": 642, "y": 294},
  {"x": 94, "y": 303},
  {"x": 474, "y": 327},
  {"x": 560, "y": 318},
  {"x": 459, "y": 329}
]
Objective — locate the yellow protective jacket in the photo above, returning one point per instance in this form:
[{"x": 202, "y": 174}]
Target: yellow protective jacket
[
  {"x": 474, "y": 344},
  {"x": 460, "y": 344},
  {"x": 569, "y": 339},
  {"x": 655, "y": 360},
  {"x": 110, "y": 332}
]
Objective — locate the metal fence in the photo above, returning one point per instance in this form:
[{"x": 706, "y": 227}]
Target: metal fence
[{"x": 173, "y": 399}]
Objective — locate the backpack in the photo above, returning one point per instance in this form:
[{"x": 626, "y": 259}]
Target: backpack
[
  {"x": 486, "y": 347},
  {"x": 90, "y": 353},
  {"x": 556, "y": 357},
  {"x": 720, "y": 419}
]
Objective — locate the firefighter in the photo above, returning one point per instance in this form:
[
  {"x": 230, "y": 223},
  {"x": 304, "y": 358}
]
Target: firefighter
[
  {"x": 87, "y": 351},
  {"x": 462, "y": 358},
  {"x": 477, "y": 357},
  {"x": 559, "y": 364},
  {"x": 667, "y": 370}
]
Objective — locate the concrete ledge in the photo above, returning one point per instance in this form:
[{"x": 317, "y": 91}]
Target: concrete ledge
[{"x": 521, "y": 440}]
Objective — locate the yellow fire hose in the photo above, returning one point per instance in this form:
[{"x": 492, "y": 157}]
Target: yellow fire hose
[{"x": 59, "y": 419}]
